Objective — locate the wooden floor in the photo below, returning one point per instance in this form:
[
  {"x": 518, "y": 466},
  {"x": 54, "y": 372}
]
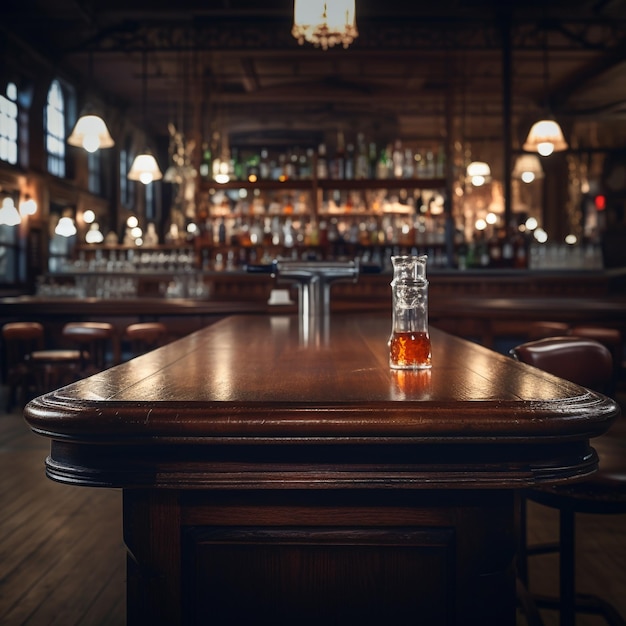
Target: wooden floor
[{"x": 62, "y": 558}]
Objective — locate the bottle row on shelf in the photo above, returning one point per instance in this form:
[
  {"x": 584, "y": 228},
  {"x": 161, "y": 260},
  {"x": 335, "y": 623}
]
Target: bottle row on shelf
[
  {"x": 305, "y": 231},
  {"x": 236, "y": 243},
  {"x": 352, "y": 159},
  {"x": 377, "y": 201}
]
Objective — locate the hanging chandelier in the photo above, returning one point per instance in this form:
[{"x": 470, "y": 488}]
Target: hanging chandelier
[{"x": 324, "y": 24}]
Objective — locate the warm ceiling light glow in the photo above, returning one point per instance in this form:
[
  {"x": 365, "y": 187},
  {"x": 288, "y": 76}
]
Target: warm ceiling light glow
[
  {"x": 145, "y": 169},
  {"x": 91, "y": 133},
  {"x": 28, "y": 207},
  {"x": 545, "y": 137},
  {"x": 65, "y": 227},
  {"x": 9, "y": 215},
  {"x": 478, "y": 172},
  {"x": 531, "y": 223},
  {"x": 94, "y": 234},
  {"x": 324, "y": 24},
  {"x": 528, "y": 168}
]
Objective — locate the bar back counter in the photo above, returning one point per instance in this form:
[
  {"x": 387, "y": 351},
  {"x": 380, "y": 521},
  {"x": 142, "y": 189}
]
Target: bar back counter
[{"x": 279, "y": 472}]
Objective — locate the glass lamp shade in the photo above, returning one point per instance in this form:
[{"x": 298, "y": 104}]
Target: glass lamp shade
[
  {"x": 145, "y": 169},
  {"x": 28, "y": 207},
  {"x": 528, "y": 168},
  {"x": 94, "y": 234},
  {"x": 324, "y": 24},
  {"x": 90, "y": 133},
  {"x": 478, "y": 173},
  {"x": 65, "y": 227},
  {"x": 545, "y": 137},
  {"x": 9, "y": 215}
]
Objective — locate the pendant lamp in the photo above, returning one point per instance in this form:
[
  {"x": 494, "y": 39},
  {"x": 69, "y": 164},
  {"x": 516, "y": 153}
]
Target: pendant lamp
[
  {"x": 324, "y": 24},
  {"x": 9, "y": 215},
  {"x": 145, "y": 168},
  {"x": 545, "y": 136},
  {"x": 478, "y": 173},
  {"x": 65, "y": 227},
  {"x": 527, "y": 168},
  {"x": 90, "y": 131}
]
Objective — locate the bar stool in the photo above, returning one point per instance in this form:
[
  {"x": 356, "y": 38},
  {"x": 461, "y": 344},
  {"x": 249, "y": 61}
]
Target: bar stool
[
  {"x": 93, "y": 340},
  {"x": 29, "y": 364},
  {"x": 611, "y": 338},
  {"x": 145, "y": 336},
  {"x": 587, "y": 363}
]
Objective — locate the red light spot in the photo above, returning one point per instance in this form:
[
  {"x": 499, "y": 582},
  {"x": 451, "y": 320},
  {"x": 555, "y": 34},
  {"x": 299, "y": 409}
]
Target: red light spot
[{"x": 600, "y": 203}]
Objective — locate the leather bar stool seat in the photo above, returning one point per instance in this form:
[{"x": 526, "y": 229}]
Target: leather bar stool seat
[
  {"x": 29, "y": 365},
  {"x": 611, "y": 338},
  {"x": 588, "y": 363},
  {"x": 145, "y": 336},
  {"x": 94, "y": 340}
]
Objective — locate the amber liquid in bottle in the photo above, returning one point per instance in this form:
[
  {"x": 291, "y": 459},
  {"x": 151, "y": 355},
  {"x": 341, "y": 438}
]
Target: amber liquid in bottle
[{"x": 410, "y": 349}]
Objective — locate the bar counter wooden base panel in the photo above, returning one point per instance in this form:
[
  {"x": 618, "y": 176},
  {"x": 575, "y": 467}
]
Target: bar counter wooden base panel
[
  {"x": 277, "y": 472},
  {"x": 321, "y": 558}
]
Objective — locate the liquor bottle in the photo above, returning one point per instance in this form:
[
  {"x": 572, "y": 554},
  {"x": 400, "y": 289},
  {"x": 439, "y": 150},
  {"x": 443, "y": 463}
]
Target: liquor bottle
[
  {"x": 397, "y": 159},
  {"x": 383, "y": 167},
  {"x": 264, "y": 166},
  {"x": 361, "y": 165},
  {"x": 373, "y": 161},
  {"x": 206, "y": 167},
  {"x": 322, "y": 163},
  {"x": 339, "y": 162},
  {"x": 350, "y": 165}
]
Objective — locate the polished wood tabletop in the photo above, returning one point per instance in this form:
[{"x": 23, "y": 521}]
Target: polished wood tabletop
[{"x": 277, "y": 380}]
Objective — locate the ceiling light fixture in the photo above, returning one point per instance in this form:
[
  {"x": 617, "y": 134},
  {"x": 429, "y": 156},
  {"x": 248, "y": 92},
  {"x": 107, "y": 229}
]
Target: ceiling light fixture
[
  {"x": 9, "y": 215},
  {"x": 527, "y": 168},
  {"x": 478, "y": 173},
  {"x": 324, "y": 24},
  {"x": 145, "y": 168},
  {"x": 65, "y": 227},
  {"x": 90, "y": 131},
  {"x": 28, "y": 206},
  {"x": 545, "y": 136}
]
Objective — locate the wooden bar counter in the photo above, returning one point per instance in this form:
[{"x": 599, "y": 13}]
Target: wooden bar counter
[{"x": 276, "y": 472}]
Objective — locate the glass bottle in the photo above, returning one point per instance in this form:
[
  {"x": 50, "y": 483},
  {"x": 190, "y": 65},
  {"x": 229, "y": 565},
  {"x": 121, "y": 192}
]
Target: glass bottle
[{"x": 409, "y": 343}]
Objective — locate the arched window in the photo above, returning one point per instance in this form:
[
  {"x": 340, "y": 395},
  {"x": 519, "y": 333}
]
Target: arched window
[
  {"x": 54, "y": 123},
  {"x": 9, "y": 124}
]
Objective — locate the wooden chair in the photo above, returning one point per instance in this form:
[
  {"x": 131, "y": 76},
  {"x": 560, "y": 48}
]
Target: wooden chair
[
  {"x": 587, "y": 363},
  {"x": 94, "y": 340},
  {"x": 29, "y": 366},
  {"x": 145, "y": 336}
]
